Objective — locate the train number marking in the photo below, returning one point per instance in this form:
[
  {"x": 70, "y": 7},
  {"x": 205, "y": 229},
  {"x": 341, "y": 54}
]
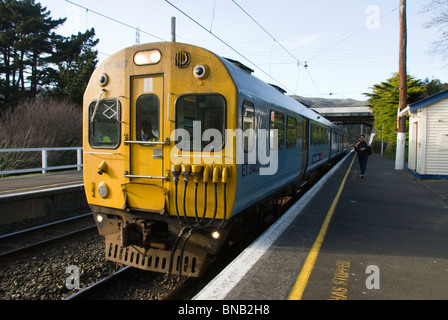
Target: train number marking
[
  {"x": 116, "y": 65},
  {"x": 248, "y": 169}
]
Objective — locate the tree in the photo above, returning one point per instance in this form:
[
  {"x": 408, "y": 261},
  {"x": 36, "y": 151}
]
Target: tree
[
  {"x": 34, "y": 58},
  {"x": 438, "y": 11},
  {"x": 26, "y": 47},
  {"x": 434, "y": 86},
  {"x": 76, "y": 60},
  {"x": 384, "y": 101}
]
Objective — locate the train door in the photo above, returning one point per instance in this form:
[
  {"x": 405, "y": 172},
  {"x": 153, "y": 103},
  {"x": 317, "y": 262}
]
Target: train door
[
  {"x": 303, "y": 133},
  {"x": 146, "y": 143}
]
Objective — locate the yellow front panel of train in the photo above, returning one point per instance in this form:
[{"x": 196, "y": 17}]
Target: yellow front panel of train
[{"x": 129, "y": 120}]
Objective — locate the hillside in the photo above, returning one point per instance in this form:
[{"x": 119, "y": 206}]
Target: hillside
[{"x": 330, "y": 103}]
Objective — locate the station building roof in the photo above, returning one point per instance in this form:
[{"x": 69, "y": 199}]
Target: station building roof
[{"x": 428, "y": 101}]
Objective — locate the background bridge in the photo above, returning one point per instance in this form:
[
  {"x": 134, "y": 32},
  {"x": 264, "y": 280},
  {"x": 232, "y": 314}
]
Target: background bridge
[{"x": 347, "y": 115}]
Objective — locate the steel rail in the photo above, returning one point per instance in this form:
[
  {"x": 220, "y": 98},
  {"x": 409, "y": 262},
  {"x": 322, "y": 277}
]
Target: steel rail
[
  {"x": 46, "y": 241},
  {"x": 88, "y": 290}
]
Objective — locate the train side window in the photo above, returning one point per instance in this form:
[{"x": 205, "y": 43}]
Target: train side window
[
  {"x": 277, "y": 122},
  {"x": 198, "y": 113},
  {"x": 104, "y": 123},
  {"x": 315, "y": 141},
  {"x": 291, "y": 132},
  {"x": 248, "y": 126},
  {"x": 147, "y": 112}
]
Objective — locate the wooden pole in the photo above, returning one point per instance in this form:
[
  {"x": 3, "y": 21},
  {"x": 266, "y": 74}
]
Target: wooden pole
[{"x": 401, "y": 134}]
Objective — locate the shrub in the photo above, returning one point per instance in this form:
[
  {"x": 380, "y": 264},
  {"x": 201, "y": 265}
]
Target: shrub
[{"x": 40, "y": 123}]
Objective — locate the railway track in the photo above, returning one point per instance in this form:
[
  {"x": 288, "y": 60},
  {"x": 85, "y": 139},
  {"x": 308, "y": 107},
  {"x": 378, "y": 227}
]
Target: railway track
[
  {"x": 155, "y": 286},
  {"x": 29, "y": 239},
  {"x": 91, "y": 290},
  {"x": 130, "y": 283},
  {"x": 34, "y": 262},
  {"x": 34, "y": 266}
]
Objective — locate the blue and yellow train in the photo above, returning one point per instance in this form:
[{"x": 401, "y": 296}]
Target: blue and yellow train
[{"x": 183, "y": 150}]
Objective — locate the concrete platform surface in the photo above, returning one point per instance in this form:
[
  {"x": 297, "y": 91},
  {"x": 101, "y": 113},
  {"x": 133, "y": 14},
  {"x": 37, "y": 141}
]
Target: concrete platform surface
[{"x": 387, "y": 239}]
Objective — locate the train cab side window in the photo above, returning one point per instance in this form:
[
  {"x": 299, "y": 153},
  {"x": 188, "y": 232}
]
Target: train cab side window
[
  {"x": 291, "y": 132},
  {"x": 277, "y": 120},
  {"x": 248, "y": 126},
  {"x": 104, "y": 123},
  {"x": 147, "y": 111},
  {"x": 199, "y": 114}
]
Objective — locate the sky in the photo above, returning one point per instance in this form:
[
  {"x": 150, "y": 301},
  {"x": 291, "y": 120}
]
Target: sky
[{"x": 323, "y": 48}]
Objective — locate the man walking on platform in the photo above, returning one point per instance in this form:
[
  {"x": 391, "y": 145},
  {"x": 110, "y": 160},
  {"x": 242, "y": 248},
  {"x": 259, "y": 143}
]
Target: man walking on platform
[{"x": 363, "y": 150}]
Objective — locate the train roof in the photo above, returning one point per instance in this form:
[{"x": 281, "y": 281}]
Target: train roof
[{"x": 252, "y": 86}]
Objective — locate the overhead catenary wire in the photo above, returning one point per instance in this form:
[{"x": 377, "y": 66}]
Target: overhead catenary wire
[
  {"x": 267, "y": 32},
  {"x": 226, "y": 44},
  {"x": 305, "y": 65},
  {"x": 315, "y": 84},
  {"x": 115, "y": 20},
  {"x": 297, "y": 61},
  {"x": 137, "y": 29},
  {"x": 347, "y": 37}
]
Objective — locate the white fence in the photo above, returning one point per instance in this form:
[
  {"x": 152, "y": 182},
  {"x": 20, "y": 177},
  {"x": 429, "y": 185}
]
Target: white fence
[{"x": 44, "y": 168}]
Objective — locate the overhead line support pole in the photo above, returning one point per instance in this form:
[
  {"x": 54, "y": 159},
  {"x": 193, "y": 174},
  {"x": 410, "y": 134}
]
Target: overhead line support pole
[{"x": 173, "y": 29}]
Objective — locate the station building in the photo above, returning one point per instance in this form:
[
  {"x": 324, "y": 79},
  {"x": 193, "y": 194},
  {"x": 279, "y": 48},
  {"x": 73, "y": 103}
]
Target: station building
[{"x": 428, "y": 137}]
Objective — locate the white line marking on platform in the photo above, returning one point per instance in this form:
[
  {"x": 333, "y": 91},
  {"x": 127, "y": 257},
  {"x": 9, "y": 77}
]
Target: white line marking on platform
[{"x": 8, "y": 195}]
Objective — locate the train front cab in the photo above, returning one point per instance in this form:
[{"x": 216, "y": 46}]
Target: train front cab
[{"x": 131, "y": 157}]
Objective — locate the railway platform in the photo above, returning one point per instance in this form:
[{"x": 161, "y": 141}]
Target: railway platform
[
  {"x": 383, "y": 237},
  {"x": 40, "y": 195},
  {"x": 38, "y": 182}
]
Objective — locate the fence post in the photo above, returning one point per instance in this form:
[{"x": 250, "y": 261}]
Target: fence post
[
  {"x": 44, "y": 161},
  {"x": 79, "y": 158}
]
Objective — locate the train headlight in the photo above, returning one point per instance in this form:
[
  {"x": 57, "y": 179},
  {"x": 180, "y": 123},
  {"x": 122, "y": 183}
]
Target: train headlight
[
  {"x": 200, "y": 71},
  {"x": 142, "y": 58},
  {"x": 99, "y": 218},
  {"x": 215, "y": 235}
]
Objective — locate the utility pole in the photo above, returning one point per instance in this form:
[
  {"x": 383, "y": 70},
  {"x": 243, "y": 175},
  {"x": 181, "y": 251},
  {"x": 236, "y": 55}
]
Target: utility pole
[{"x": 401, "y": 134}]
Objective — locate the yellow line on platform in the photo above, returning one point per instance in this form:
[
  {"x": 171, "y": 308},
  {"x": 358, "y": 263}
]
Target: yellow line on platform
[{"x": 302, "y": 280}]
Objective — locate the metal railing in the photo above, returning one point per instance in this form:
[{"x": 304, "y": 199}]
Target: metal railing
[{"x": 44, "y": 168}]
